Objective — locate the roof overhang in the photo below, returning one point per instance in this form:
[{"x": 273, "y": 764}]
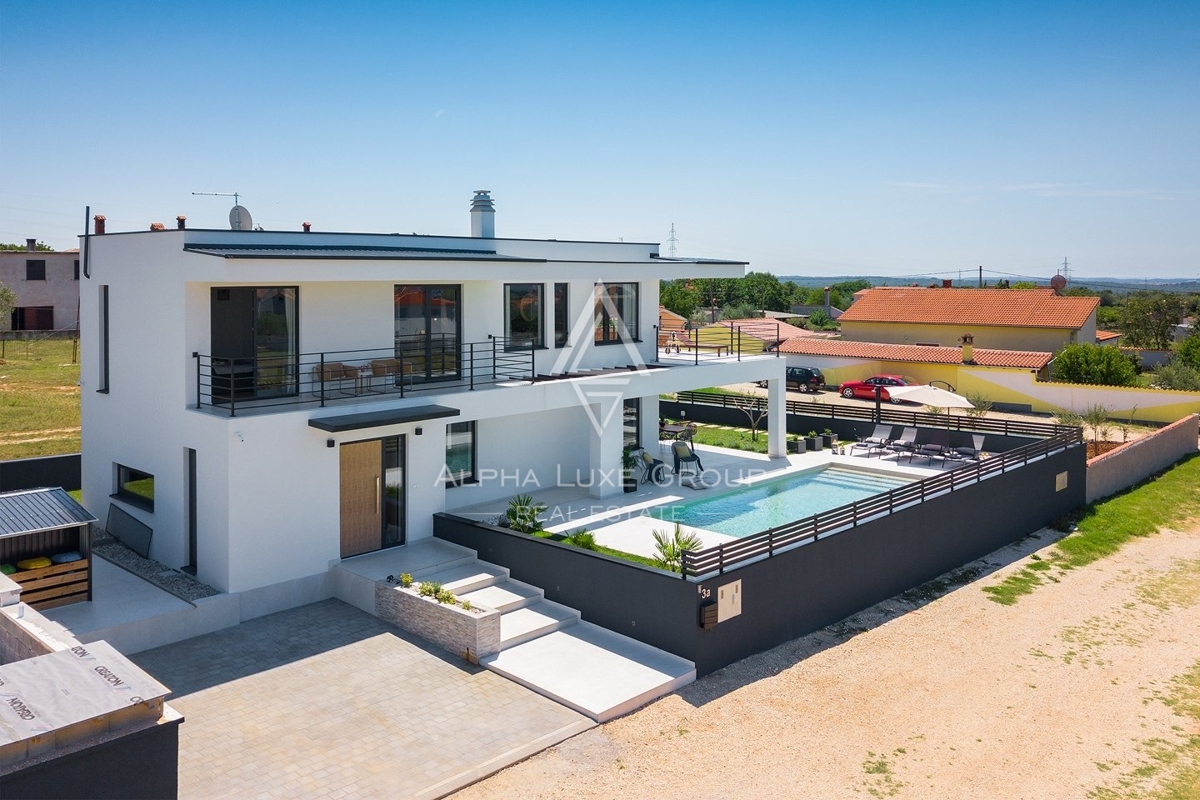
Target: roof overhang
[{"x": 378, "y": 419}]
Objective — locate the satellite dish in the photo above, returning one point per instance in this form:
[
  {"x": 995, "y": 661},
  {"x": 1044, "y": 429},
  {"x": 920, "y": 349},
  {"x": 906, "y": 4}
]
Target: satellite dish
[
  {"x": 1057, "y": 283},
  {"x": 239, "y": 219}
]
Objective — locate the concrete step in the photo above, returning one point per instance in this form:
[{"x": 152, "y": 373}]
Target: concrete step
[
  {"x": 536, "y": 619},
  {"x": 504, "y": 596},
  {"x": 593, "y": 670},
  {"x": 464, "y": 578}
]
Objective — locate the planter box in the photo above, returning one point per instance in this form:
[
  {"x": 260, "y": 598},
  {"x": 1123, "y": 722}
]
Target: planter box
[
  {"x": 469, "y": 634},
  {"x": 813, "y": 442},
  {"x": 827, "y": 439},
  {"x": 795, "y": 446}
]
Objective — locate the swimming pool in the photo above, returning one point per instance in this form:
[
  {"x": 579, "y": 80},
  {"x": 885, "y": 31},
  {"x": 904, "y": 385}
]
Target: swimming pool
[{"x": 776, "y": 502}]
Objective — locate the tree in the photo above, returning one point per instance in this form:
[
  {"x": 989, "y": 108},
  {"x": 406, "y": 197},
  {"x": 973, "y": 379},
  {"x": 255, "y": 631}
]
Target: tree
[
  {"x": 1096, "y": 418},
  {"x": 8, "y": 301},
  {"x": 1094, "y": 364},
  {"x": 1149, "y": 319},
  {"x": 40, "y": 247},
  {"x": 1188, "y": 352},
  {"x": 679, "y": 296}
]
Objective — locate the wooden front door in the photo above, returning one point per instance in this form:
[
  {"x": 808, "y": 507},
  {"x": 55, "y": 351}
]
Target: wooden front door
[{"x": 362, "y": 494}]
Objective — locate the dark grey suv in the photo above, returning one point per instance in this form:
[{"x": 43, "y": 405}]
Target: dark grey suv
[{"x": 803, "y": 379}]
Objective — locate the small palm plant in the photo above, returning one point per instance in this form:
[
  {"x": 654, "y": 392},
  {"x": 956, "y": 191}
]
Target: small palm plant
[
  {"x": 670, "y": 547},
  {"x": 523, "y": 513}
]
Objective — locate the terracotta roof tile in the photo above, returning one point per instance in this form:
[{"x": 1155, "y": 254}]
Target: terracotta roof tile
[
  {"x": 1107, "y": 336},
  {"x": 915, "y": 353},
  {"x": 1030, "y": 308},
  {"x": 768, "y": 330}
]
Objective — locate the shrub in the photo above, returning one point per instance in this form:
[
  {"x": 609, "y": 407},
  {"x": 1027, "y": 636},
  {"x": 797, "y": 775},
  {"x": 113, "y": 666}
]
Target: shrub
[
  {"x": 466, "y": 605},
  {"x": 1188, "y": 352},
  {"x": 523, "y": 514},
  {"x": 981, "y": 403},
  {"x": 405, "y": 580},
  {"x": 444, "y": 595},
  {"x": 1094, "y": 364},
  {"x": 429, "y": 588},
  {"x": 1178, "y": 375},
  {"x": 582, "y": 539}
]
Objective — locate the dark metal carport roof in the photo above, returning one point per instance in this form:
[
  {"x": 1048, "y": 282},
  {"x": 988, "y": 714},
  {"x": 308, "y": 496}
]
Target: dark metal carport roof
[{"x": 36, "y": 510}]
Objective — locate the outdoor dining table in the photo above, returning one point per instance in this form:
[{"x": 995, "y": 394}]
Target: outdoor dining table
[{"x": 672, "y": 431}]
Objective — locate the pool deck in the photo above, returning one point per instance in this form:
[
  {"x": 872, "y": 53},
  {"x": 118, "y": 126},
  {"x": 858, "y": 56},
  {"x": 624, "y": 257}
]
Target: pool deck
[{"x": 623, "y": 521}]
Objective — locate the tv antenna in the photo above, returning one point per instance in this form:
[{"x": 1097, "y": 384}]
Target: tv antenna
[
  {"x": 671, "y": 241},
  {"x": 239, "y": 216}
]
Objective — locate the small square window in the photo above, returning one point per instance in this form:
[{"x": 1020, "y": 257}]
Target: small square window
[
  {"x": 35, "y": 270},
  {"x": 135, "y": 487}
]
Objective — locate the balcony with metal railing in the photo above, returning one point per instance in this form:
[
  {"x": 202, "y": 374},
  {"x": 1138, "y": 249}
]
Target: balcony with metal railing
[{"x": 270, "y": 379}]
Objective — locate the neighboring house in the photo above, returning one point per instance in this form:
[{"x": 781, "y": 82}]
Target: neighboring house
[
  {"x": 271, "y": 402},
  {"x": 1000, "y": 319},
  {"x": 47, "y": 288},
  {"x": 827, "y": 307},
  {"x": 842, "y": 361},
  {"x": 1108, "y": 338}
]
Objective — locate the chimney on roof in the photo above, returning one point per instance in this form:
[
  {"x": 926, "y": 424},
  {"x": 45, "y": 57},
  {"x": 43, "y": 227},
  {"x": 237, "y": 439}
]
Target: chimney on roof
[
  {"x": 307, "y": 227},
  {"x": 947, "y": 283},
  {"x": 157, "y": 226},
  {"x": 31, "y": 245},
  {"x": 968, "y": 348},
  {"x": 827, "y": 290},
  {"x": 483, "y": 216},
  {"x": 99, "y": 220},
  {"x": 181, "y": 222}
]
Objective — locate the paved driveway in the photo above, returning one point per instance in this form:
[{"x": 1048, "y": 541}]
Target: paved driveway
[{"x": 328, "y": 701}]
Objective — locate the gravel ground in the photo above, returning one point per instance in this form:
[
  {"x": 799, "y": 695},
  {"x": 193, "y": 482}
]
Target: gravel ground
[
  {"x": 178, "y": 583},
  {"x": 954, "y": 697}
]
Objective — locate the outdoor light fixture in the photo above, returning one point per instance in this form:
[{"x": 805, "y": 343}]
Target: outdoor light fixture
[
  {"x": 418, "y": 431},
  {"x": 330, "y": 443}
]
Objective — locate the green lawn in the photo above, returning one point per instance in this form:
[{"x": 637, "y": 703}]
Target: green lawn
[
  {"x": 39, "y": 398},
  {"x": 1171, "y": 498}
]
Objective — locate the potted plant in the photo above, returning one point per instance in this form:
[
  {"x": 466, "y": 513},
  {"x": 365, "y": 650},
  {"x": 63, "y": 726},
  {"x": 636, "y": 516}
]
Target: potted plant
[
  {"x": 827, "y": 438},
  {"x": 628, "y": 462},
  {"x": 795, "y": 445},
  {"x": 812, "y": 441}
]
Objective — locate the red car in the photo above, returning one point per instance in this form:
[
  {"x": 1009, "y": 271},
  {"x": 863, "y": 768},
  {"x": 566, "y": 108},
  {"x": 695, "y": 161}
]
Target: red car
[{"x": 866, "y": 389}]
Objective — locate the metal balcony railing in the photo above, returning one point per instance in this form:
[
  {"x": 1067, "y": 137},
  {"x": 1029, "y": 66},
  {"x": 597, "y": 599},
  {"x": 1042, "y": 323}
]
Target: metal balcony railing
[{"x": 272, "y": 379}]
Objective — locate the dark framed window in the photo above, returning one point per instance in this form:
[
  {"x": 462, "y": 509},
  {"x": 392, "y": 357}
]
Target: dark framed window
[
  {"x": 35, "y": 269},
  {"x": 103, "y": 340},
  {"x": 76, "y": 269},
  {"x": 460, "y": 453},
  {"x": 135, "y": 487},
  {"x": 616, "y": 318},
  {"x": 562, "y": 324},
  {"x": 523, "y": 315},
  {"x": 631, "y": 430}
]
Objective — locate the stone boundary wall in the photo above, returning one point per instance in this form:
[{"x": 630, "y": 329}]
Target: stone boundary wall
[
  {"x": 469, "y": 634},
  {"x": 1132, "y": 462}
]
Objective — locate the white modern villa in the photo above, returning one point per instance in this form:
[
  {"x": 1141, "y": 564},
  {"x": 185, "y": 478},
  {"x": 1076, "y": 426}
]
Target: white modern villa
[{"x": 269, "y": 403}]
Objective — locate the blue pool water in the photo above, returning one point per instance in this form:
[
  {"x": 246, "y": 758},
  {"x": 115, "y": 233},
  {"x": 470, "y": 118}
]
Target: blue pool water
[{"x": 771, "y": 503}]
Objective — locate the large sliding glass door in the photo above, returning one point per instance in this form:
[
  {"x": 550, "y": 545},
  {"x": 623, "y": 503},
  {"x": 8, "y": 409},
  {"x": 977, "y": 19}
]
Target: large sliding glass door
[
  {"x": 428, "y": 330},
  {"x": 255, "y": 341}
]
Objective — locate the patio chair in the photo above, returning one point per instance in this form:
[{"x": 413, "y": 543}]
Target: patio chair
[
  {"x": 936, "y": 447},
  {"x": 905, "y": 444},
  {"x": 971, "y": 453},
  {"x": 877, "y": 441},
  {"x": 654, "y": 470},
  {"x": 333, "y": 376},
  {"x": 393, "y": 370},
  {"x": 684, "y": 456}
]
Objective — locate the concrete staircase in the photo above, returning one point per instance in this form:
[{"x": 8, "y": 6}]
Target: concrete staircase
[{"x": 546, "y": 646}]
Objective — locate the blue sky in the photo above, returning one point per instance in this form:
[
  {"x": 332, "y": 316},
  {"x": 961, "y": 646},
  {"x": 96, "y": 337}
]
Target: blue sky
[{"x": 807, "y": 138}]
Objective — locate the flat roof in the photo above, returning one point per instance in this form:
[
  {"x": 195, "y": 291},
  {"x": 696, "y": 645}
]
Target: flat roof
[{"x": 377, "y": 419}]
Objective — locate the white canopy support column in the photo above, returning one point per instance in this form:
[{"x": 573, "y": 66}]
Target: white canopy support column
[
  {"x": 776, "y": 417},
  {"x": 648, "y": 435},
  {"x": 607, "y": 439}
]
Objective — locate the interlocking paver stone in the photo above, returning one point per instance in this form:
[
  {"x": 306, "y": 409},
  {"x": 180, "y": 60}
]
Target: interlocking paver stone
[{"x": 328, "y": 701}]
